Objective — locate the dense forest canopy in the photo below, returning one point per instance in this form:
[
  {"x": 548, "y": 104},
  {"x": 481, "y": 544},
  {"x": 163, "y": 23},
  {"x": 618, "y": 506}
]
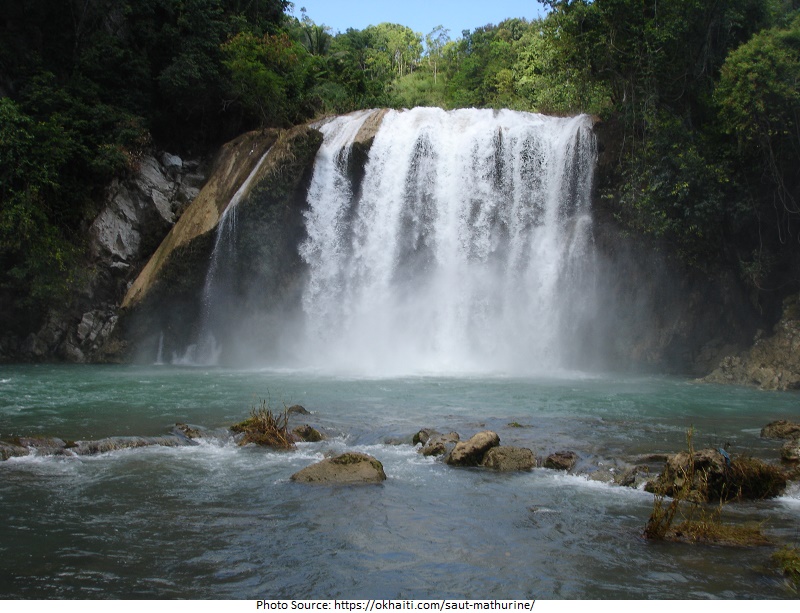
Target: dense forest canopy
[{"x": 702, "y": 97}]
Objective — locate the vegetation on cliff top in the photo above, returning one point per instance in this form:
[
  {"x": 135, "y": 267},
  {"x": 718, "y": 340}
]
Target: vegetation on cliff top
[{"x": 702, "y": 98}]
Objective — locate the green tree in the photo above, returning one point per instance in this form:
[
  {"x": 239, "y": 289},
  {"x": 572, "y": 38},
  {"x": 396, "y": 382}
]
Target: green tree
[
  {"x": 435, "y": 43},
  {"x": 759, "y": 101},
  {"x": 36, "y": 255},
  {"x": 266, "y": 73},
  {"x": 394, "y": 48}
]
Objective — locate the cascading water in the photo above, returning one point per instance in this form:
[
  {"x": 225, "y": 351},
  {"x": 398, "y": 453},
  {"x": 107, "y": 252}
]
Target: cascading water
[
  {"x": 466, "y": 247},
  {"x": 206, "y": 350}
]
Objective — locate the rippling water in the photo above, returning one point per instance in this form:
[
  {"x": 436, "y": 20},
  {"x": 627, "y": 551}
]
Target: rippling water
[{"x": 220, "y": 521}]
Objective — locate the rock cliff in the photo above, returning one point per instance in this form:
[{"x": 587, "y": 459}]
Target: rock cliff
[
  {"x": 137, "y": 213},
  {"x": 773, "y": 362},
  {"x": 151, "y": 245},
  {"x": 162, "y": 309}
]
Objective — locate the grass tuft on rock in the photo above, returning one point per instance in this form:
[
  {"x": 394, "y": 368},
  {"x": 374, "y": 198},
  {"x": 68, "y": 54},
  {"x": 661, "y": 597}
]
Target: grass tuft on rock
[
  {"x": 788, "y": 558},
  {"x": 752, "y": 479},
  {"x": 710, "y": 530},
  {"x": 701, "y": 523},
  {"x": 265, "y": 428}
]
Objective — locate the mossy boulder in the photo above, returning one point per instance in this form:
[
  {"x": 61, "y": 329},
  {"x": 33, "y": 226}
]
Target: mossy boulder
[
  {"x": 439, "y": 444},
  {"x": 790, "y": 451},
  {"x": 307, "y": 434},
  {"x": 348, "y": 468},
  {"x": 561, "y": 460},
  {"x": 508, "y": 458},
  {"x": 264, "y": 428},
  {"x": 186, "y": 431},
  {"x": 11, "y": 450},
  {"x": 634, "y": 476},
  {"x": 422, "y": 436}
]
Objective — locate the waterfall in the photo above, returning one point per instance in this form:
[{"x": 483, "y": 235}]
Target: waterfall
[
  {"x": 206, "y": 349},
  {"x": 466, "y": 247}
]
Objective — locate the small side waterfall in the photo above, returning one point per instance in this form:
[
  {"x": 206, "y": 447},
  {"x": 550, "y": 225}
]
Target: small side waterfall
[
  {"x": 206, "y": 350},
  {"x": 466, "y": 247}
]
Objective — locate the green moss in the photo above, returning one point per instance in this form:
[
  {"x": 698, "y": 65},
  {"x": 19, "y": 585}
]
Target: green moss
[
  {"x": 788, "y": 558},
  {"x": 348, "y": 458}
]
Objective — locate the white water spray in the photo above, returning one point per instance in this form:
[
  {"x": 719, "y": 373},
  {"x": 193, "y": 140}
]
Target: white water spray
[{"x": 467, "y": 247}]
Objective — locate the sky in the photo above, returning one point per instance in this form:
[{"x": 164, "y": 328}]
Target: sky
[{"x": 420, "y": 15}]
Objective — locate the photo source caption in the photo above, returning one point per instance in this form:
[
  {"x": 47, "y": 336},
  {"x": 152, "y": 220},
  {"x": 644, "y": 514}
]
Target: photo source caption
[
  {"x": 541, "y": 606},
  {"x": 394, "y": 605}
]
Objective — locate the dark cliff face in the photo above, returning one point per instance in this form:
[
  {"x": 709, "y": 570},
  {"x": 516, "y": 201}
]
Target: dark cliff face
[
  {"x": 658, "y": 314},
  {"x": 138, "y": 211}
]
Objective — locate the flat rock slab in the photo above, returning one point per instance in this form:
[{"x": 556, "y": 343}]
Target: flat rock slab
[
  {"x": 9, "y": 450},
  {"x": 347, "y": 468}
]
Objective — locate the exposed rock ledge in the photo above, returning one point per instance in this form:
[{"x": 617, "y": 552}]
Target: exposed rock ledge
[
  {"x": 773, "y": 363},
  {"x": 137, "y": 212},
  {"x": 232, "y": 165}
]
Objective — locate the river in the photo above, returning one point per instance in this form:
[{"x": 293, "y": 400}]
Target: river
[{"x": 221, "y": 521}]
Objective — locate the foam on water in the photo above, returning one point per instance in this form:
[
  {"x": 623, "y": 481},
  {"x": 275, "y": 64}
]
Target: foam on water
[{"x": 217, "y": 520}]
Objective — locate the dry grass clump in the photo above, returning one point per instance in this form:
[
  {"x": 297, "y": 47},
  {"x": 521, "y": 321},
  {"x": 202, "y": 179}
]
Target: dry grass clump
[
  {"x": 708, "y": 528},
  {"x": 263, "y": 427},
  {"x": 700, "y": 523},
  {"x": 752, "y": 479}
]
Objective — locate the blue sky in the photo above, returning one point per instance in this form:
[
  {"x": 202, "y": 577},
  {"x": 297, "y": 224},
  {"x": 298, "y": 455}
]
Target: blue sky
[{"x": 419, "y": 15}]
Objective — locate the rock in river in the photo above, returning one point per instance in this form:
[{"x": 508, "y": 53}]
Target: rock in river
[
  {"x": 781, "y": 429},
  {"x": 471, "y": 452},
  {"x": 561, "y": 460},
  {"x": 307, "y": 434},
  {"x": 709, "y": 475},
  {"x": 348, "y": 468},
  {"x": 439, "y": 444},
  {"x": 506, "y": 457}
]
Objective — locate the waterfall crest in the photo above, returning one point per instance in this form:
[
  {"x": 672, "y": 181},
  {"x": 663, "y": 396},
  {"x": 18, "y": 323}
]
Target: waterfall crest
[{"x": 466, "y": 247}]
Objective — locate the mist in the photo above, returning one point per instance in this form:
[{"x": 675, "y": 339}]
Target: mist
[{"x": 464, "y": 246}]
